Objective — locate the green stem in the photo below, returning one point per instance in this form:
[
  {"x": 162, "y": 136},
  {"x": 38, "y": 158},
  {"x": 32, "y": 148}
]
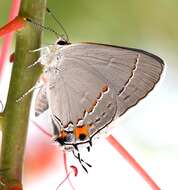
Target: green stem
[
  {"x": 1, "y": 118},
  {"x": 15, "y": 121}
]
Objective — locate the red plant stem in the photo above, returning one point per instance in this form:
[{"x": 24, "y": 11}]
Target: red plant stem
[
  {"x": 75, "y": 170},
  {"x": 8, "y": 38},
  {"x": 67, "y": 176},
  {"x": 66, "y": 170},
  {"x": 17, "y": 23},
  {"x": 132, "y": 162}
]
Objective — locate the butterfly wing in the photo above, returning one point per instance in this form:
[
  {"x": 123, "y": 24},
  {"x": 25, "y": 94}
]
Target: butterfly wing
[
  {"x": 91, "y": 84},
  {"x": 75, "y": 90},
  {"x": 131, "y": 72},
  {"x": 41, "y": 102}
]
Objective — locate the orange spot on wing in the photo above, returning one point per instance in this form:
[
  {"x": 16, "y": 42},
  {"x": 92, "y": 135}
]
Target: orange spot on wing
[
  {"x": 99, "y": 95},
  {"x": 63, "y": 135},
  {"x": 81, "y": 130},
  {"x": 90, "y": 109},
  {"x": 104, "y": 88},
  {"x": 94, "y": 103}
]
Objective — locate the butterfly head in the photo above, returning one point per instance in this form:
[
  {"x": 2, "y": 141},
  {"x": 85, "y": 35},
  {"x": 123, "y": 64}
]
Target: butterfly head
[{"x": 61, "y": 42}]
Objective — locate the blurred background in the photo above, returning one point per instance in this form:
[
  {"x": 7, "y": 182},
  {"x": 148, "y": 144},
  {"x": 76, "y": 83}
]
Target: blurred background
[{"x": 148, "y": 131}]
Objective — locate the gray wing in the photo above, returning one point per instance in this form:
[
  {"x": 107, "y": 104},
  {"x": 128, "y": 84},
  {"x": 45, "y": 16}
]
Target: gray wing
[
  {"x": 41, "y": 102},
  {"x": 77, "y": 92},
  {"x": 132, "y": 73}
]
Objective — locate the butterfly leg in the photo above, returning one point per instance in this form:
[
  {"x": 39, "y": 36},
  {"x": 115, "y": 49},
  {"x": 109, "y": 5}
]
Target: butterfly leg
[
  {"x": 35, "y": 63},
  {"x": 44, "y": 51},
  {"x": 28, "y": 92}
]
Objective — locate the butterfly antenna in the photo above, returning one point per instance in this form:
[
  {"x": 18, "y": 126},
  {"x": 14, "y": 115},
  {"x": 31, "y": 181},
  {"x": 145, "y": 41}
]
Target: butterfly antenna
[
  {"x": 59, "y": 23},
  {"x": 89, "y": 165},
  {"x": 47, "y": 28},
  {"x": 81, "y": 161}
]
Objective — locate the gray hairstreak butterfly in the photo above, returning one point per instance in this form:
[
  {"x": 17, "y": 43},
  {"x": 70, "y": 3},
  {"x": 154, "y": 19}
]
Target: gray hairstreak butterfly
[{"x": 89, "y": 85}]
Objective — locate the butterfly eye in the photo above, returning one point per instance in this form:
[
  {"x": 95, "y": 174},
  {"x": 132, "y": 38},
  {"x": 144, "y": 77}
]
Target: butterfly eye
[{"x": 62, "y": 42}]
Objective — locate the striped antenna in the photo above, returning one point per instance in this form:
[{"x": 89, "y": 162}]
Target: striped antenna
[{"x": 59, "y": 23}]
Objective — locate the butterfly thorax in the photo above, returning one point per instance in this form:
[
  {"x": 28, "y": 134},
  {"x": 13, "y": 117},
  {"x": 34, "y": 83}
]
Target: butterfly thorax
[{"x": 50, "y": 55}]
